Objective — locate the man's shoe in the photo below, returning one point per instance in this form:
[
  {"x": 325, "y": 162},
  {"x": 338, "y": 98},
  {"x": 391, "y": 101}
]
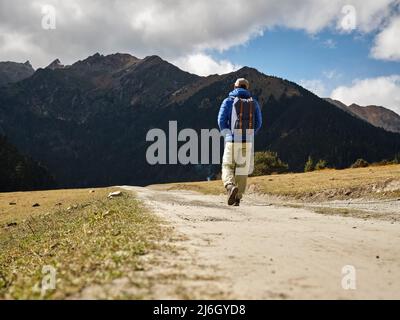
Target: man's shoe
[
  {"x": 237, "y": 203},
  {"x": 232, "y": 192}
]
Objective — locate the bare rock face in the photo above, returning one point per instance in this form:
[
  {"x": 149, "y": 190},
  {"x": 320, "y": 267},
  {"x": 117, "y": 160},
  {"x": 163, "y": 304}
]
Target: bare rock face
[
  {"x": 11, "y": 72},
  {"x": 110, "y": 63},
  {"x": 56, "y": 64},
  {"x": 378, "y": 116}
]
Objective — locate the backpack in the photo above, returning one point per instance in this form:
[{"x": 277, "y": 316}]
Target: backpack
[{"x": 242, "y": 118}]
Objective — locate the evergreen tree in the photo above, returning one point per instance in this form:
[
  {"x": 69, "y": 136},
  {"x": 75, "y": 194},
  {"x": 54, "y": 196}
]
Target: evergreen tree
[
  {"x": 20, "y": 173},
  {"x": 360, "y": 163},
  {"x": 268, "y": 162},
  {"x": 321, "y": 164},
  {"x": 309, "y": 165}
]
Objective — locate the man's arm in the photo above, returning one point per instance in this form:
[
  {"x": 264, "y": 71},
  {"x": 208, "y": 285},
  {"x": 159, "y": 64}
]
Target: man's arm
[
  {"x": 258, "y": 119},
  {"x": 223, "y": 116}
]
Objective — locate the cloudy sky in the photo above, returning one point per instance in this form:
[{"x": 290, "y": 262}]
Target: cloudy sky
[{"x": 349, "y": 50}]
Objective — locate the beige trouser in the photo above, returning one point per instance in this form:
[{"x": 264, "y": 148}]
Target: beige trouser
[{"x": 235, "y": 165}]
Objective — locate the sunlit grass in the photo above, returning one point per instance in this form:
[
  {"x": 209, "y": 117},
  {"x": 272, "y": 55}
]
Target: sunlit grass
[
  {"x": 93, "y": 241},
  {"x": 334, "y": 184}
]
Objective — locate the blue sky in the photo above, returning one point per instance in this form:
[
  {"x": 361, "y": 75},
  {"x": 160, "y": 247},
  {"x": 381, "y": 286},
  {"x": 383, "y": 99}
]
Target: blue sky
[{"x": 334, "y": 58}]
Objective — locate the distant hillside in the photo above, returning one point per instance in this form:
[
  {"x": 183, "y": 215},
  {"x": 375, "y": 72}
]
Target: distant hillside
[
  {"x": 343, "y": 107},
  {"x": 377, "y": 116},
  {"x": 18, "y": 172},
  {"x": 11, "y": 72},
  {"x": 88, "y": 122}
]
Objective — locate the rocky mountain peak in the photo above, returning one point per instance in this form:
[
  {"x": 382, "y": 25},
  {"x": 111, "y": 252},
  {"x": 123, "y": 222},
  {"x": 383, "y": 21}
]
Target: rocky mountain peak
[
  {"x": 108, "y": 63},
  {"x": 378, "y": 116},
  {"x": 11, "y": 72},
  {"x": 56, "y": 64}
]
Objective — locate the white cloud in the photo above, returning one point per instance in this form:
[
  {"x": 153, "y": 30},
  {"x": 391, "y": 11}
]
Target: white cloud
[
  {"x": 316, "y": 86},
  {"x": 387, "y": 42},
  {"x": 171, "y": 29},
  {"x": 329, "y": 43},
  {"x": 332, "y": 74},
  {"x": 204, "y": 65},
  {"x": 381, "y": 91},
  {"x": 370, "y": 14}
]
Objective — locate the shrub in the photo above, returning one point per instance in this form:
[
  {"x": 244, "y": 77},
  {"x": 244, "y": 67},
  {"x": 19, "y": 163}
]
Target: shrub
[
  {"x": 397, "y": 159},
  {"x": 321, "y": 164},
  {"x": 309, "y": 165},
  {"x": 360, "y": 163},
  {"x": 383, "y": 162},
  {"x": 268, "y": 162}
]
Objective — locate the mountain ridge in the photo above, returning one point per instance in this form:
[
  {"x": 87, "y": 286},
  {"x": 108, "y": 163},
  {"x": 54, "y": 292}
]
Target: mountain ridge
[
  {"x": 11, "y": 72},
  {"x": 378, "y": 116},
  {"x": 88, "y": 123}
]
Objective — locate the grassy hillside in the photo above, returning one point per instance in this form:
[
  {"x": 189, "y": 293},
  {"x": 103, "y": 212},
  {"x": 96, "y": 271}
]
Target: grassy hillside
[
  {"x": 89, "y": 240},
  {"x": 377, "y": 182}
]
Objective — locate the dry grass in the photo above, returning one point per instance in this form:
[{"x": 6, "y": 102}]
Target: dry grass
[
  {"x": 100, "y": 248},
  {"x": 48, "y": 201},
  {"x": 354, "y": 213},
  {"x": 89, "y": 240},
  {"x": 376, "y": 182}
]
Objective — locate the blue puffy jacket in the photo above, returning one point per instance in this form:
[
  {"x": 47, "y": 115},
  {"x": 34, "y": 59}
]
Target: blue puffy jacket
[{"x": 225, "y": 112}]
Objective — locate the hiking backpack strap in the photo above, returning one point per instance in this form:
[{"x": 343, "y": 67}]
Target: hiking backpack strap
[
  {"x": 251, "y": 114},
  {"x": 241, "y": 115}
]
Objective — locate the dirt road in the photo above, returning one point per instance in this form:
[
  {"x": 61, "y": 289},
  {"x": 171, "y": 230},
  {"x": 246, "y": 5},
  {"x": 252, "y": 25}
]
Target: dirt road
[{"x": 265, "y": 251}]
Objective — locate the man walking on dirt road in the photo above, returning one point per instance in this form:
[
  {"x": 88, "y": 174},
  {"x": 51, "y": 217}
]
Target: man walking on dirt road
[{"x": 239, "y": 119}]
